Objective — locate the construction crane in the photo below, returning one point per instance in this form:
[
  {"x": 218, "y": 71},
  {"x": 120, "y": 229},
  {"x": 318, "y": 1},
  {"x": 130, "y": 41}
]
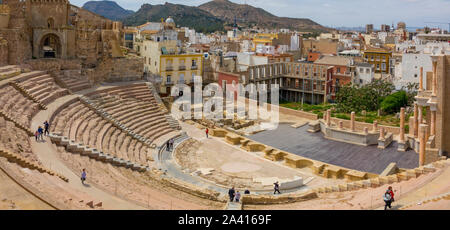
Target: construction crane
[{"x": 448, "y": 23}]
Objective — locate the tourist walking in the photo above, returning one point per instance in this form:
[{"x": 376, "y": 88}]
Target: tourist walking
[
  {"x": 83, "y": 176},
  {"x": 36, "y": 135},
  {"x": 171, "y": 143},
  {"x": 276, "y": 188},
  {"x": 231, "y": 193},
  {"x": 207, "y": 130},
  {"x": 391, "y": 193},
  {"x": 238, "y": 196},
  {"x": 247, "y": 191},
  {"x": 387, "y": 200},
  {"x": 41, "y": 133},
  {"x": 46, "y": 126},
  {"x": 168, "y": 145}
]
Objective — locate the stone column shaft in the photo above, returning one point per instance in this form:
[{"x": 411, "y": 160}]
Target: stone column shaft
[
  {"x": 434, "y": 83},
  {"x": 329, "y": 117},
  {"x": 422, "y": 135},
  {"x": 421, "y": 79},
  {"x": 416, "y": 125},
  {"x": 433, "y": 123},
  {"x": 420, "y": 118},
  {"x": 375, "y": 126},
  {"x": 402, "y": 124},
  {"x": 352, "y": 121}
]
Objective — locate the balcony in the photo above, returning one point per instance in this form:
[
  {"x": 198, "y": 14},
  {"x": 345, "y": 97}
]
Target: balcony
[
  {"x": 182, "y": 67},
  {"x": 169, "y": 83},
  {"x": 169, "y": 68},
  {"x": 181, "y": 81},
  {"x": 194, "y": 67}
]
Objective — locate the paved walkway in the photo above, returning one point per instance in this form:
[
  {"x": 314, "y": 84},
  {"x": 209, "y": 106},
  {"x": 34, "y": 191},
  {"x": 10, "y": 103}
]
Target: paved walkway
[
  {"x": 13, "y": 196},
  {"x": 315, "y": 146},
  {"x": 435, "y": 187},
  {"x": 49, "y": 157}
]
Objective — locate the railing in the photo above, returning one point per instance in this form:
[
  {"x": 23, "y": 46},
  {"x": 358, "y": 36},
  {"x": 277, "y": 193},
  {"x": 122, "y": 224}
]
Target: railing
[
  {"x": 194, "y": 67},
  {"x": 169, "y": 68},
  {"x": 182, "y": 67}
]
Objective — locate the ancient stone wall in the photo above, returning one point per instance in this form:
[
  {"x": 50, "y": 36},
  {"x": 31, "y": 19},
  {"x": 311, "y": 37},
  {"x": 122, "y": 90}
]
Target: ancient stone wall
[
  {"x": 19, "y": 46},
  {"x": 3, "y": 52},
  {"x": 117, "y": 69}
]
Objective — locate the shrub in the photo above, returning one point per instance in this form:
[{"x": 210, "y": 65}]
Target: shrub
[{"x": 394, "y": 102}]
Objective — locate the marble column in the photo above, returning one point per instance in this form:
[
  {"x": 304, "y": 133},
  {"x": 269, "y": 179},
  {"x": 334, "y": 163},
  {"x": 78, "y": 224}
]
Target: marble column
[
  {"x": 411, "y": 126},
  {"x": 402, "y": 124},
  {"x": 352, "y": 121},
  {"x": 329, "y": 117},
  {"x": 421, "y": 79},
  {"x": 420, "y": 118},
  {"x": 416, "y": 125},
  {"x": 433, "y": 123},
  {"x": 422, "y": 135},
  {"x": 434, "y": 83}
]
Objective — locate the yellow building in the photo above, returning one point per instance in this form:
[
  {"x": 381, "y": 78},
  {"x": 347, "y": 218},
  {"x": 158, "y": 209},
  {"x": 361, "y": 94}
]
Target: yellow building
[
  {"x": 380, "y": 59},
  {"x": 263, "y": 39},
  {"x": 166, "y": 60}
]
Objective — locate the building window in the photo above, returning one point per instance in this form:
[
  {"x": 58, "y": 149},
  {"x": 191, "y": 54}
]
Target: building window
[
  {"x": 168, "y": 78},
  {"x": 378, "y": 66},
  {"x": 383, "y": 66},
  {"x": 194, "y": 62}
]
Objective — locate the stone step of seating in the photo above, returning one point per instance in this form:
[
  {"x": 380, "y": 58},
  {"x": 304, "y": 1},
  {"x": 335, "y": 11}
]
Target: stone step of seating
[
  {"x": 80, "y": 86},
  {"x": 10, "y": 73},
  {"x": 7, "y": 68},
  {"x": 79, "y": 148},
  {"x": 24, "y": 76}
]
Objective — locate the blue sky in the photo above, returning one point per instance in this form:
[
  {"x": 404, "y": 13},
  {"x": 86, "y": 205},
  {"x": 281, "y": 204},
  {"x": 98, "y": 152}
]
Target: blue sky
[{"x": 337, "y": 12}]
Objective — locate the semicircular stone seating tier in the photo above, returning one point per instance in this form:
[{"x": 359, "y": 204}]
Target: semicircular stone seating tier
[
  {"x": 135, "y": 107},
  {"x": 14, "y": 104},
  {"x": 83, "y": 125},
  {"x": 41, "y": 86}
]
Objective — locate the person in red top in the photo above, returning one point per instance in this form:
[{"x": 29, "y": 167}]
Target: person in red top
[
  {"x": 207, "y": 132},
  {"x": 391, "y": 193}
]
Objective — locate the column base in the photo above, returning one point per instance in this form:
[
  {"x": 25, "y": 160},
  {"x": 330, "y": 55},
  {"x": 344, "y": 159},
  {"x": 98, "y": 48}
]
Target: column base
[{"x": 402, "y": 146}]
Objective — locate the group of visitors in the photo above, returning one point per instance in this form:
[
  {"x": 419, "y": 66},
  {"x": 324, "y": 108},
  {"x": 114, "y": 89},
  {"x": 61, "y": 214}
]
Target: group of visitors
[
  {"x": 236, "y": 195},
  {"x": 40, "y": 132},
  {"x": 169, "y": 145}
]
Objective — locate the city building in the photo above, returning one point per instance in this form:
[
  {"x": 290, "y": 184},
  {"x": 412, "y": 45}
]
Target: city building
[{"x": 380, "y": 58}]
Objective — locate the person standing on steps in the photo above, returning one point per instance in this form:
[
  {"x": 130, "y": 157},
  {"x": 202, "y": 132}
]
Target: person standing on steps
[
  {"x": 46, "y": 126},
  {"x": 83, "y": 176},
  {"x": 207, "y": 131},
  {"x": 231, "y": 193},
  {"x": 276, "y": 188},
  {"x": 41, "y": 133}
]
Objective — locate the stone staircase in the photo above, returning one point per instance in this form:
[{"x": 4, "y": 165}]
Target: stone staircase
[
  {"x": 39, "y": 87},
  {"x": 174, "y": 124},
  {"x": 28, "y": 95},
  {"x": 25, "y": 163},
  {"x": 9, "y": 71},
  {"x": 74, "y": 84},
  {"x": 79, "y": 148},
  {"x": 382, "y": 180}
]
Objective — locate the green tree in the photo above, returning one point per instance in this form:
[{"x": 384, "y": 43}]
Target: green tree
[{"x": 394, "y": 102}]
